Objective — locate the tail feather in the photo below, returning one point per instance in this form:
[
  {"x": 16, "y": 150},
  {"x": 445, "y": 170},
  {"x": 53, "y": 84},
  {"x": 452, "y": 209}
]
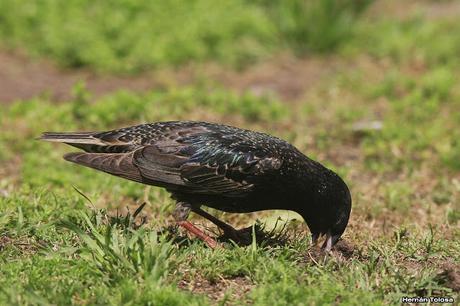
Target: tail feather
[
  {"x": 88, "y": 141},
  {"x": 70, "y": 138}
]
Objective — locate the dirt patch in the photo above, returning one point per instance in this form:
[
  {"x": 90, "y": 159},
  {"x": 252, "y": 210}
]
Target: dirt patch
[
  {"x": 228, "y": 291},
  {"x": 22, "y": 77},
  {"x": 345, "y": 249},
  {"x": 284, "y": 76},
  {"x": 10, "y": 174},
  {"x": 4, "y": 241},
  {"x": 450, "y": 276},
  {"x": 341, "y": 252},
  {"x": 402, "y": 10},
  {"x": 25, "y": 245}
]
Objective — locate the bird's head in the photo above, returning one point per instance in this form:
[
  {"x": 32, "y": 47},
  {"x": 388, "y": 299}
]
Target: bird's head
[{"x": 328, "y": 210}]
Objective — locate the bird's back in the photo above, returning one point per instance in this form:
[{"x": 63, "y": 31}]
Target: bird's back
[{"x": 183, "y": 156}]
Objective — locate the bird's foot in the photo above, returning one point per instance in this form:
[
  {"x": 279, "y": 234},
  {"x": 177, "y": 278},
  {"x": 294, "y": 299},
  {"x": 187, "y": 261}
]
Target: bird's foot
[
  {"x": 326, "y": 247},
  {"x": 210, "y": 242},
  {"x": 240, "y": 237}
]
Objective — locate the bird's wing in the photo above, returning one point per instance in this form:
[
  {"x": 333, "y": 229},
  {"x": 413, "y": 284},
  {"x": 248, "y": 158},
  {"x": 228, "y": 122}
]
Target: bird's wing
[
  {"x": 119, "y": 164},
  {"x": 234, "y": 175},
  {"x": 191, "y": 158},
  {"x": 157, "y": 165},
  {"x": 201, "y": 163}
]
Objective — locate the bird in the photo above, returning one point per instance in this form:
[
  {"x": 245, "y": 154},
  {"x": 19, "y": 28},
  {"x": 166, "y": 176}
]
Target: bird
[{"x": 219, "y": 166}]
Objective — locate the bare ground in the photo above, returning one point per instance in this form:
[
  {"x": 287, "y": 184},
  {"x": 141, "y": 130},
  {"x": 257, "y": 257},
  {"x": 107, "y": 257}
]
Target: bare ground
[
  {"x": 225, "y": 290},
  {"x": 22, "y": 77}
]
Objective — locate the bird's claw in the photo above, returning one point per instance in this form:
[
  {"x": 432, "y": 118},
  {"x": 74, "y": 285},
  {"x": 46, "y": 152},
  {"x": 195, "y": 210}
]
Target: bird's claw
[
  {"x": 241, "y": 237},
  {"x": 327, "y": 244}
]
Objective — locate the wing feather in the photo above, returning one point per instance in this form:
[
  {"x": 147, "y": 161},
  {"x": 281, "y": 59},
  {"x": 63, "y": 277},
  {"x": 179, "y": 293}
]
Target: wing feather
[
  {"x": 119, "y": 164},
  {"x": 158, "y": 166}
]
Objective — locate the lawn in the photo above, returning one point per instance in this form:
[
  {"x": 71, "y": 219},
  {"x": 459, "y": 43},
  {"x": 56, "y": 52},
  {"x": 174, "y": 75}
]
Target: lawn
[{"x": 384, "y": 113}]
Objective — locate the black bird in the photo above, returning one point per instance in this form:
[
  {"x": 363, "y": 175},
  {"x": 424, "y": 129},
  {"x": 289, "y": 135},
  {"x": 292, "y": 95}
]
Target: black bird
[{"x": 219, "y": 166}]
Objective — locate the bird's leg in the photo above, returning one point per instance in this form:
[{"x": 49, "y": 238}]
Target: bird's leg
[
  {"x": 327, "y": 245},
  {"x": 181, "y": 213},
  {"x": 229, "y": 230}
]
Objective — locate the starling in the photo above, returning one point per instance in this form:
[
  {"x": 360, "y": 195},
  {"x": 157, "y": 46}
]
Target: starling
[{"x": 227, "y": 168}]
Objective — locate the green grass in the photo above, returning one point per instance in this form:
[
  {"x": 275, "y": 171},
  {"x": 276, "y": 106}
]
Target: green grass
[
  {"x": 315, "y": 26},
  {"x": 413, "y": 40},
  {"x": 60, "y": 247},
  {"x": 132, "y": 36},
  {"x": 85, "y": 258}
]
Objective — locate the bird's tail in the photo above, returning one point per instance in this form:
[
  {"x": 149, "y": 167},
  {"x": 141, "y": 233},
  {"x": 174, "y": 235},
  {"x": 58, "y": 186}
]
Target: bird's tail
[
  {"x": 89, "y": 141},
  {"x": 82, "y": 140},
  {"x": 71, "y": 137}
]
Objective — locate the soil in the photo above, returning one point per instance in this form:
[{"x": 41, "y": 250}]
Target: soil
[
  {"x": 450, "y": 274},
  {"x": 22, "y": 77},
  {"x": 404, "y": 10},
  {"x": 24, "y": 245},
  {"x": 216, "y": 290}
]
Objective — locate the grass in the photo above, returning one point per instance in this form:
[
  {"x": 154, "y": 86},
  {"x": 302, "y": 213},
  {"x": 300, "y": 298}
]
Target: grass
[
  {"x": 60, "y": 247},
  {"x": 101, "y": 262},
  {"x": 50, "y": 231},
  {"x": 315, "y": 26},
  {"x": 411, "y": 40},
  {"x": 133, "y": 36}
]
